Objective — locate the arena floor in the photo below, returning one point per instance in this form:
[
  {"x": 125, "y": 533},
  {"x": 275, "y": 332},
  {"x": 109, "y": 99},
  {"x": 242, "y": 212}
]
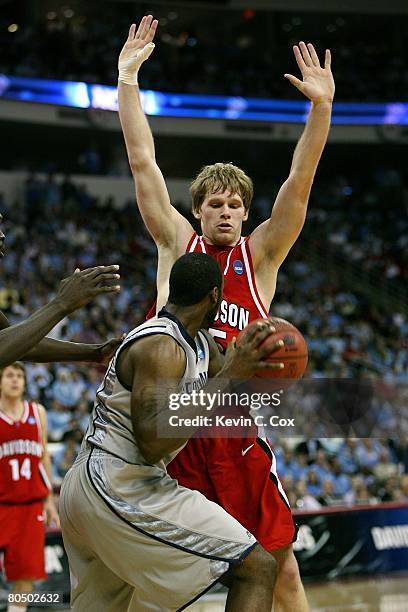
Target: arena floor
[{"x": 379, "y": 594}]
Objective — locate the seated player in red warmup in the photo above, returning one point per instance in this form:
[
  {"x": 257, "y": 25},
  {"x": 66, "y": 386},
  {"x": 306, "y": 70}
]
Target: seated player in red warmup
[
  {"x": 239, "y": 474},
  {"x": 26, "y": 500}
]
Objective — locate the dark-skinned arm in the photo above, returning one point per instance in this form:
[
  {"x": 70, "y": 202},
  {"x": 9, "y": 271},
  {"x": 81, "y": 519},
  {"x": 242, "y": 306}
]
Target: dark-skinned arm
[
  {"x": 50, "y": 350},
  {"x": 74, "y": 292},
  {"x": 153, "y": 368}
]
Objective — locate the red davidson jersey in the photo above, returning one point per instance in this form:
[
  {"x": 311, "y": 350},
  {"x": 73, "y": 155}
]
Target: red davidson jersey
[
  {"x": 241, "y": 303},
  {"x": 22, "y": 476},
  {"x": 239, "y": 474}
]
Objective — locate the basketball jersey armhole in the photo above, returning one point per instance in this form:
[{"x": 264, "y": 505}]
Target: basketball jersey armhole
[
  {"x": 192, "y": 243},
  {"x": 246, "y": 253},
  {"x": 132, "y": 341}
]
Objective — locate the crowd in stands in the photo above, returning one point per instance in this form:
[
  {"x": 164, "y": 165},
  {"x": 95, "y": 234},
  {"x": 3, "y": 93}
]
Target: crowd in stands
[
  {"x": 331, "y": 472},
  {"x": 210, "y": 49},
  {"x": 56, "y": 227}
]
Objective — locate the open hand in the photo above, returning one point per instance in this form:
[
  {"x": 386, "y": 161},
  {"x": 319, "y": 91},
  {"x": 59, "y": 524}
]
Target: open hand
[
  {"x": 83, "y": 286},
  {"x": 137, "y": 49},
  {"x": 318, "y": 82}
]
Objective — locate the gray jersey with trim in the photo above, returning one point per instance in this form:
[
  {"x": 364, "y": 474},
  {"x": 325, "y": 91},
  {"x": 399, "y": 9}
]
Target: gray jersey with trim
[{"x": 110, "y": 426}]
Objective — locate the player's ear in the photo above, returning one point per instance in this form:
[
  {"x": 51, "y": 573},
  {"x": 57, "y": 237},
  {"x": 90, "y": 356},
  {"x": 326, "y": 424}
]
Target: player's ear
[
  {"x": 246, "y": 215},
  {"x": 197, "y": 213},
  {"x": 215, "y": 294}
]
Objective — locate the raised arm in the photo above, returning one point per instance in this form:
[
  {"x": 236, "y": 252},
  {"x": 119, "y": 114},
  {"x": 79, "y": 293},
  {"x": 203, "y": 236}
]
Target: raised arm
[
  {"x": 166, "y": 225},
  {"x": 74, "y": 292},
  {"x": 274, "y": 238}
]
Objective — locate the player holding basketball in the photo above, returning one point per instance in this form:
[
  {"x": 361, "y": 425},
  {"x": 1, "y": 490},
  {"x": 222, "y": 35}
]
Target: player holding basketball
[
  {"x": 235, "y": 470},
  {"x": 135, "y": 539},
  {"x": 25, "y": 484}
]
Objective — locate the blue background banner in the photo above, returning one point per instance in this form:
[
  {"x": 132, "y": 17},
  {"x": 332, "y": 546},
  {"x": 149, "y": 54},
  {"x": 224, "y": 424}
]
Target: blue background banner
[{"x": 82, "y": 95}]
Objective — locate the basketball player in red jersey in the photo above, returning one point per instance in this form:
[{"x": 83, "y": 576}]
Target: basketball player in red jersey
[
  {"x": 238, "y": 474},
  {"x": 26, "y": 501}
]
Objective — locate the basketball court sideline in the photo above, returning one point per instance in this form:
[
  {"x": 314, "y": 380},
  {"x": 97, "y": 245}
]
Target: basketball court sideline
[{"x": 379, "y": 594}]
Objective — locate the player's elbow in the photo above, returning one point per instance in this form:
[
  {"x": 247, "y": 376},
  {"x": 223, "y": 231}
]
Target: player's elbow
[
  {"x": 148, "y": 445},
  {"x": 150, "y": 454},
  {"x": 300, "y": 184},
  {"x": 141, "y": 160}
]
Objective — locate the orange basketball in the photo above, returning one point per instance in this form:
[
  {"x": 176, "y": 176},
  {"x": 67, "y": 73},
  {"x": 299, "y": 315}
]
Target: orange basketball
[{"x": 293, "y": 354}]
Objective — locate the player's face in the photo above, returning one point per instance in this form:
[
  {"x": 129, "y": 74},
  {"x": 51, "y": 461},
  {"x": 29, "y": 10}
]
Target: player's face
[
  {"x": 2, "y": 238},
  {"x": 221, "y": 216},
  {"x": 12, "y": 382}
]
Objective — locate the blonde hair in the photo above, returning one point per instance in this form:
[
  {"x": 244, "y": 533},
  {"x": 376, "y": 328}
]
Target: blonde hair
[{"x": 221, "y": 177}]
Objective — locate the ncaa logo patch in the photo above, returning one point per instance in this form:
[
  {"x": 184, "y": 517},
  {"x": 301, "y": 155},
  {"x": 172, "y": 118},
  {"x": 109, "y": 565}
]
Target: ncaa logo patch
[
  {"x": 200, "y": 353},
  {"x": 238, "y": 267},
  {"x": 31, "y": 420}
]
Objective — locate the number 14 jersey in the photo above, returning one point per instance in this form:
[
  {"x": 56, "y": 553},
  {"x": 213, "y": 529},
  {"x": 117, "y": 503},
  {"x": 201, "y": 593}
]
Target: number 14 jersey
[{"x": 22, "y": 475}]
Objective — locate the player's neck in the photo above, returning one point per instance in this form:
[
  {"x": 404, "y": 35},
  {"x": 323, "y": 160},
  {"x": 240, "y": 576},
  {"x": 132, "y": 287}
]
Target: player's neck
[
  {"x": 212, "y": 242},
  {"x": 12, "y": 406},
  {"x": 188, "y": 316}
]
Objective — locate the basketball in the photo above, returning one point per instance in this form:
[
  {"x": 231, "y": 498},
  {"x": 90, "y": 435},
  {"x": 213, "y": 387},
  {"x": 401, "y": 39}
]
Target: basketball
[{"x": 293, "y": 354}]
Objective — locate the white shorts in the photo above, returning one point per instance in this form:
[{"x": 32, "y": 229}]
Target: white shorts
[{"x": 137, "y": 541}]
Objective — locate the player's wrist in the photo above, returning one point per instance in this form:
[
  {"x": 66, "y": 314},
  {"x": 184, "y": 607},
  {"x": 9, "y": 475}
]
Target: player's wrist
[
  {"x": 328, "y": 102},
  {"x": 129, "y": 67},
  {"x": 128, "y": 78}
]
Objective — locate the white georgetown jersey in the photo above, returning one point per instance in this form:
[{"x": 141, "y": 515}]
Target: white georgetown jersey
[{"x": 110, "y": 426}]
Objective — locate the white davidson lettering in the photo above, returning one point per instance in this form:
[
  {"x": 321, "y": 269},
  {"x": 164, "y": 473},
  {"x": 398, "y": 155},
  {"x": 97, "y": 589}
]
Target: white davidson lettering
[
  {"x": 234, "y": 315},
  {"x": 21, "y": 447},
  {"x": 390, "y": 537}
]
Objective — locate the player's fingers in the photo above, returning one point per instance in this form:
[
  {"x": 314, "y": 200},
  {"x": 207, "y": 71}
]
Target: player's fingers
[
  {"x": 299, "y": 59},
  {"x": 327, "y": 59},
  {"x": 253, "y": 331},
  {"x": 146, "y": 26},
  {"x": 76, "y": 270},
  {"x": 267, "y": 365},
  {"x": 132, "y": 31},
  {"x": 107, "y": 289},
  {"x": 140, "y": 28},
  {"x": 313, "y": 55},
  {"x": 231, "y": 346},
  {"x": 98, "y": 270},
  {"x": 152, "y": 31},
  {"x": 262, "y": 335},
  {"x": 296, "y": 82},
  {"x": 271, "y": 348},
  {"x": 106, "y": 277},
  {"x": 305, "y": 54}
]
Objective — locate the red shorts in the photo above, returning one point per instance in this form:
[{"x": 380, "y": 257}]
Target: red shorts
[
  {"x": 22, "y": 539},
  {"x": 240, "y": 475}
]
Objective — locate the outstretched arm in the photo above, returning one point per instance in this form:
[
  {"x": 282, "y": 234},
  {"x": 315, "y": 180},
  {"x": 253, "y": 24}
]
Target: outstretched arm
[
  {"x": 275, "y": 237},
  {"x": 74, "y": 292},
  {"x": 50, "y": 350},
  {"x": 166, "y": 225}
]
